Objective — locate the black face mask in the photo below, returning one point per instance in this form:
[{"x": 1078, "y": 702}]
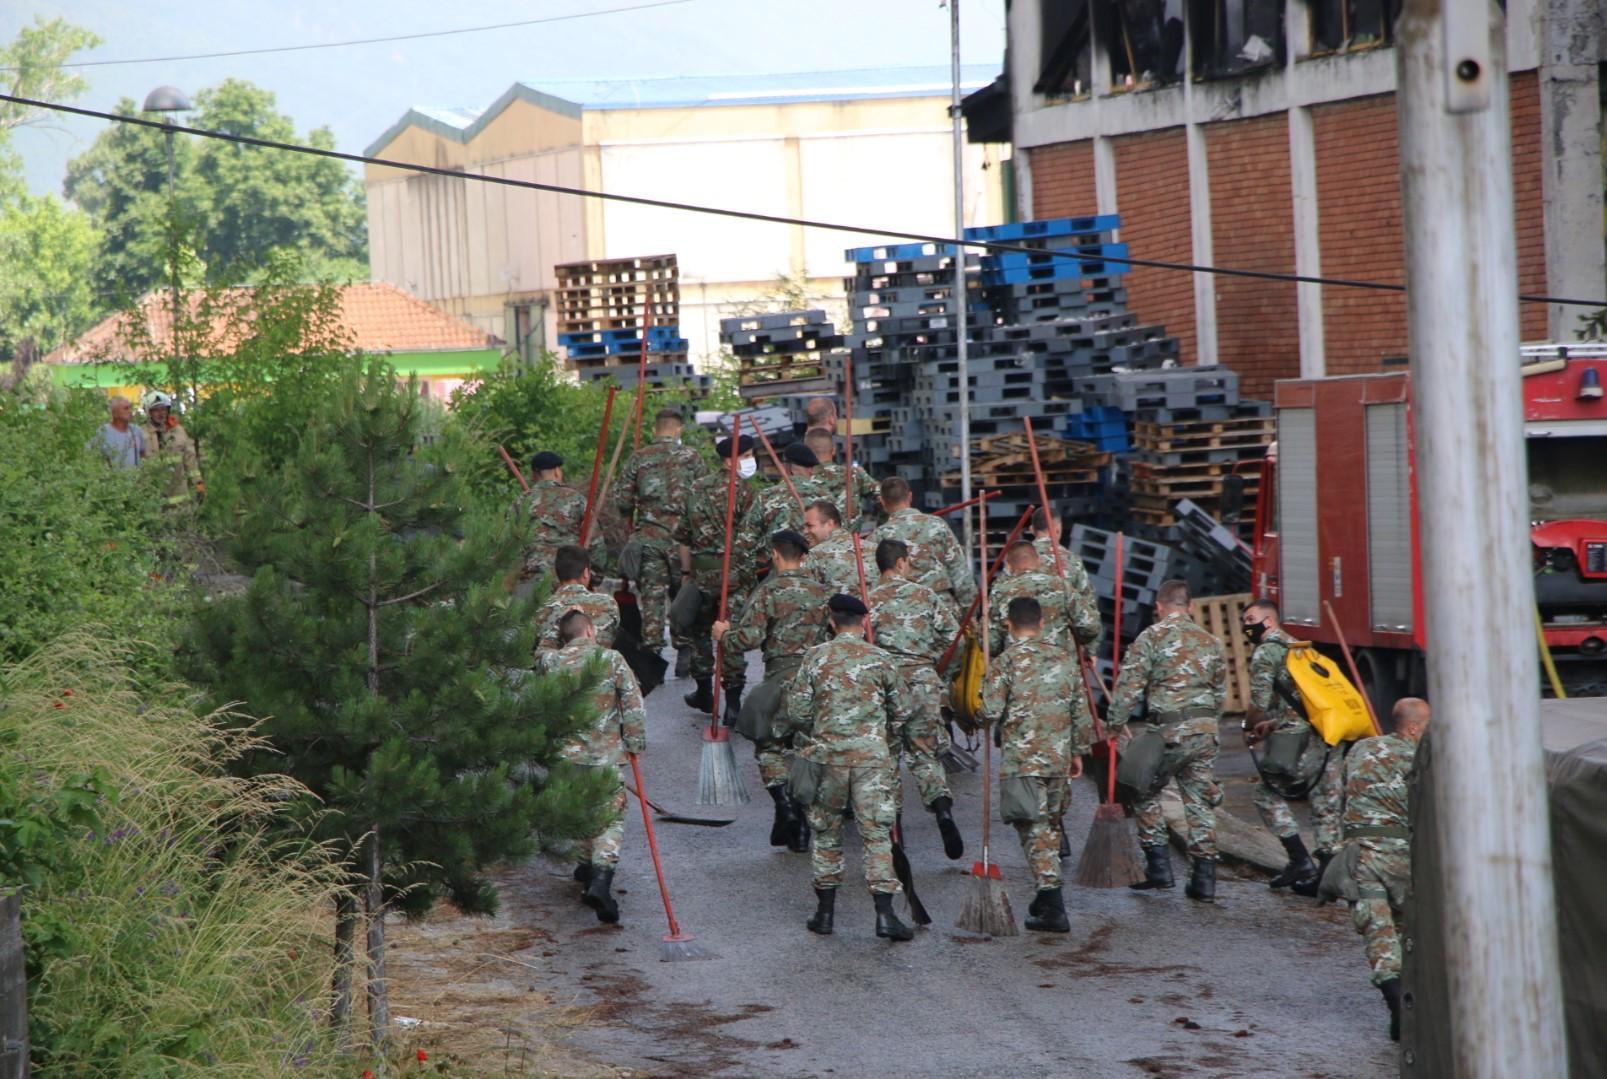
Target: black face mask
[{"x": 1254, "y": 633}]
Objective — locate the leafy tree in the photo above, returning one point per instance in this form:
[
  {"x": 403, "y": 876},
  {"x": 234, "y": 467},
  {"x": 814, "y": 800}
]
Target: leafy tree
[
  {"x": 47, "y": 254},
  {"x": 31, "y": 66},
  {"x": 377, "y": 638}
]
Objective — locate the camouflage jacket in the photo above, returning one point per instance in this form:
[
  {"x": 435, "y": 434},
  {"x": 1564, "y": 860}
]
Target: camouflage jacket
[
  {"x": 1082, "y": 589},
  {"x": 1065, "y": 616},
  {"x": 651, "y": 489},
  {"x": 619, "y": 725},
  {"x": 853, "y": 702},
  {"x": 773, "y": 509},
  {"x": 1179, "y": 668},
  {"x": 785, "y": 617},
  {"x": 910, "y": 622},
  {"x": 1376, "y": 793},
  {"x": 1269, "y": 672},
  {"x": 867, "y": 494},
  {"x": 1033, "y": 693},
  {"x": 934, "y": 553},
  {"x": 601, "y": 609},
  {"x": 173, "y": 448},
  {"x": 701, "y": 526},
  {"x": 557, "y": 512},
  {"x": 832, "y": 561}
]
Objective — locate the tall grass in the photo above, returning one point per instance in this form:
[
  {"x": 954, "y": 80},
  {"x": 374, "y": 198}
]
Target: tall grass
[{"x": 188, "y": 933}]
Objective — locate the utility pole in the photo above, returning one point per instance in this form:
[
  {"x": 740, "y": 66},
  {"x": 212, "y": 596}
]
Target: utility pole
[
  {"x": 959, "y": 272},
  {"x": 1478, "y": 591}
]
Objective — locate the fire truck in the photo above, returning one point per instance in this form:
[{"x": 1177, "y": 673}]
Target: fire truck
[{"x": 1337, "y": 524}]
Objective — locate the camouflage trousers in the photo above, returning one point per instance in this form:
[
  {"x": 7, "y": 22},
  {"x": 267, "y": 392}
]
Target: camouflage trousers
[
  {"x": 660, "y": 574},
  {"x": 1326, "y": 799},
  {"x": 771, "y": 752},
  {"x": 602, "y": 849},
  {"x": 925, "y": 739},
  {"x": 1383, "y": 873},
  {"x": 701, "y": 635},
  {"x": 1040, "y": 837},
  {"x": 1191, "y": 761},
  {"x": 868, "y": 790}
]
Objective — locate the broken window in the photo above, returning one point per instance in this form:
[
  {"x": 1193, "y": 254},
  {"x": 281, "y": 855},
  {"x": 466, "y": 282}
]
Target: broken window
[
  {"x": 1067, "y": 57},
  {"x": 1233, "y": 36},
  {"x": 1352, "y": 24},
  {"x": 1144, "y": 39}
]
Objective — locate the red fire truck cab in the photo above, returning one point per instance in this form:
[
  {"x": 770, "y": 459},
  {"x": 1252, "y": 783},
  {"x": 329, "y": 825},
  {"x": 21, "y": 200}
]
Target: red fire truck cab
[{"x": 1337, "y": 520}]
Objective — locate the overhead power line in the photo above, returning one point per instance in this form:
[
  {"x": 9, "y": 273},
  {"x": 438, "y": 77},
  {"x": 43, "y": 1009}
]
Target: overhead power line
[
  {"x": 744, "y": 215},
  {"x": 373, "y": 40}
]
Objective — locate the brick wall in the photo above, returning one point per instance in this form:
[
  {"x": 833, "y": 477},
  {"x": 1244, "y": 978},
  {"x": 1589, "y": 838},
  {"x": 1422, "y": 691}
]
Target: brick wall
[
  {"x": 1359, "y": 229},
  {"x": 1063, "y": 180},
  {"x": 1529, "y": 200},
  {"x": 1252, "y": 228},
  {"x": 1152, "y": 193}
]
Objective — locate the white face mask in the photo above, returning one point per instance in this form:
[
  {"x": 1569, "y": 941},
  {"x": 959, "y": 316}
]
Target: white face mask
[{"x": 746, "y": 466}]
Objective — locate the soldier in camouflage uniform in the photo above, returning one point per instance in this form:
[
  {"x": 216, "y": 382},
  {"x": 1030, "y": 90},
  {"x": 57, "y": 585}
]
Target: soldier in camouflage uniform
[
  {"x": 1069, "y": 618},
  {"x": 1047, "y": 533},
  {"x": 831, "y": 550},
  {"x": 701, "y": 534},
  {"x": 1179, "y": 669},
  {"x": 651, "y": 492},
  {"x": 939, "y": 562},
  {"x": 1272, "y": 689},
  {"x": 912, "y": 625},
  {"x": 558, "y": 512},
  {"x": 1034, "y": 692},
  {"x": 784, "y": 618},
  {"x": 620, "y": 727},
  {"x": 833, "y": 477},
  {"x": 774, "y": 508},
  {"x": 572, "y": 565},
  {"x": 850, "y": 699},
  {"x": 1376, "y": 823}
]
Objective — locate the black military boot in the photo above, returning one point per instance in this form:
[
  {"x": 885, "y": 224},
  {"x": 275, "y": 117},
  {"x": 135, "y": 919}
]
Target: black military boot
[
  {"x": 583, "y": 873},
  {"x": 825, "y": 911},
  {"x": 1202, "y": 881},
  {"x": 701, "y": 698},
  {"x": 1050, "y": 915},
  {"x": 733, "y": 705},
  {"x": 1307, "y": 886},
  {"x": 786, "y": 822},
  {"x": 1300, "y": 864},
  {"x": 1392, "y": 996},
  {"x": 599, "y": 896},
  {"x": 887, "y": 924},
  {"x": 683, "y": 662},
  {"x": 1157, "y": 870},
  {"x": 943, "y": 809},
  {"x": 798, "y": 841}
]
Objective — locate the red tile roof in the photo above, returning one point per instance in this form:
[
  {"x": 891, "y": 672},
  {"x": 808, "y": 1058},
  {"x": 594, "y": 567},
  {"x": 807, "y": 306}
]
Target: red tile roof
[{"x": 374, "y": 317}]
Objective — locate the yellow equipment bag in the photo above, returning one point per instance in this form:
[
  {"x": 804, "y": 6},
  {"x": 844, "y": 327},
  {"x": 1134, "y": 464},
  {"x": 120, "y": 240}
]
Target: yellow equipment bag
[
  {"x": 1331, "y": 704},
  {"x": 965, "y": 691}
]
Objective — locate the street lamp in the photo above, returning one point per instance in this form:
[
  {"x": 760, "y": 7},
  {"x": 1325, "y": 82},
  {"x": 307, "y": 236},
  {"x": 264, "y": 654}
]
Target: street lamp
[{"x": 169, "y": 100}]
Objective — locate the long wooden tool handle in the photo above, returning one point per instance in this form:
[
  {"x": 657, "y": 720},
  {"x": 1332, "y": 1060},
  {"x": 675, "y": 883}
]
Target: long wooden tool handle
[
  {"x": 641, "y": 373},
  {"x": 967, "y": 504},
  {"x": 970, "y": 613},
  {"x": 1043, "y": 494},
  {"x": 715, "y": 731},
  {"x": 987, "y": 737},
  {"x": 864, "y": 592},
  {"x": 771, "y": 450},
  {"x": 597, "y": 466},
  {"x": 520, "y": 476},
  {"x": 1351, "y": 663},
  {"x": 652, "y": 846},
  {"x": 848, "y": 438}
]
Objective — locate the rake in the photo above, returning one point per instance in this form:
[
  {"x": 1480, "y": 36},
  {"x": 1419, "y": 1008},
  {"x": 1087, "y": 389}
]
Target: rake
[{"x": 679, "y": 946}]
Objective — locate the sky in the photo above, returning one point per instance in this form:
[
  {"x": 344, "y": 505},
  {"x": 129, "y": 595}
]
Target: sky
[{"x": 358, "y": 91}]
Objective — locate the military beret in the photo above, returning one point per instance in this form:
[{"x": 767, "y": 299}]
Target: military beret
[
  {"x": 546, "y": 461},
  {"x": 787, "y": 535},
  {"x": 744, "y": 445},
  {"x": 799, "y": 454},
  {"x": 845, "y": 604}
]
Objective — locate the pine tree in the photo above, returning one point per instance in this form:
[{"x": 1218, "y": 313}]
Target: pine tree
[{"x": 380, "y": 642}]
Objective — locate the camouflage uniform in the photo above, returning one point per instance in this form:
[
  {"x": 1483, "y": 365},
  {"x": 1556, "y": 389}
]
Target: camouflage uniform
[
  {"x": 867, "y": 492},
  {"x": 785, "y": 617},
  {"x": 1034, "y": 693},
  {"x": 652, "y": 491},
  {"x": 1066, "y": 618},
  {"x": 1375, "y": 820},
  {"x": 849, "y": 694},
  {"x": 173, "y": 448},
  {"x": 601, "y": 609},
  {"x": 620, "y": 727},
  {"x": 1268, "y": 675},
  {"x": 832, "y": 561},
  {"x": 1180, "y": 669},
  {"x": 558, "y": 512},
  {"x": 935, "y": 554},
  {"x": 701, "y": 529},
  {"x": 773, "y": 510},
  {"x": 913, "y": 626}
]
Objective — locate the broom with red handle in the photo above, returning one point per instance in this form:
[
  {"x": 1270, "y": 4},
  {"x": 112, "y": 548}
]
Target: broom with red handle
[{"x": 718, "y": 781}]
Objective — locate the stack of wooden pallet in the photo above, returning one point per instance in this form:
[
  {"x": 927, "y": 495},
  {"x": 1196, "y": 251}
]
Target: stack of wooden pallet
[
  {"x": 1189, "y": 459},
  {"x": 1003, "y": 463},
  {"x": 604, "y": 308}
]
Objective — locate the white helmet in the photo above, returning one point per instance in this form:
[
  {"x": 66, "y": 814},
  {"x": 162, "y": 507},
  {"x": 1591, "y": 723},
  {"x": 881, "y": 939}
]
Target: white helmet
[{"x": 157, "y": 399}]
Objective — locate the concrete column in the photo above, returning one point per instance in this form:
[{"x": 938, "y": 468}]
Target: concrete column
[
  {"x": 1308, "y": 245},
  {"x": 1200, "y": 226},
  {"x": 1105, "y": 175},
  {"x": 1571, "y": 44},
  {"x": 796, "y": 258}
]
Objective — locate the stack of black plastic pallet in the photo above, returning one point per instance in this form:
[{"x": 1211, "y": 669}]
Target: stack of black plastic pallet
[
  {"x": 782, "y": 354},
  {"x": 1226, "y": 557}
]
